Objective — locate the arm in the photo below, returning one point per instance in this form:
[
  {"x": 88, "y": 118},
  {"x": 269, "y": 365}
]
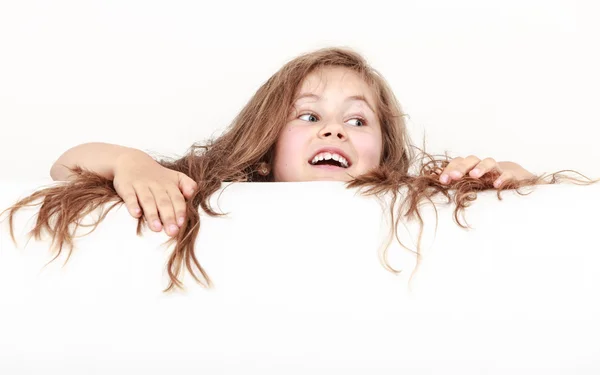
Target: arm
[
  {"x": 97, "y": 157},
  {"x": 137, "y": 178}
]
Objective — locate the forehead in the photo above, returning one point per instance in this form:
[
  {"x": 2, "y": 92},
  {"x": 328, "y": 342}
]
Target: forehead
[{"x": 336, "y": 80}]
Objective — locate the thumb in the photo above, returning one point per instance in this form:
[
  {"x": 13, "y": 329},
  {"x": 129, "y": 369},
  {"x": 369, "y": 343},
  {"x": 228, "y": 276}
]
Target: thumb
[{"x": 187, "y": 186}]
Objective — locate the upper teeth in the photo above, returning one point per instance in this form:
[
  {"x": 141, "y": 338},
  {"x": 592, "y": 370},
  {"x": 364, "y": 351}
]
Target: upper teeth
[{"x": 328, "y": 156}]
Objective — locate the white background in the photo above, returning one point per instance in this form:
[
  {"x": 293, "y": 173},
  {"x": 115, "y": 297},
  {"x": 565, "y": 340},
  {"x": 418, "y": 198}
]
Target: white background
[{"x": 513, "y": 80}]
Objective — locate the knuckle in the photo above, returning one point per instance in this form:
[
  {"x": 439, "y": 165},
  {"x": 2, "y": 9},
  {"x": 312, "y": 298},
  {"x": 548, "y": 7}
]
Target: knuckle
[
  {"x": 139, "y": 185},
  {"x": 129, "y": 199},
  {"x": 463, "y": 168},
  {"x": 155, "y": 186},
  {"x": 164, "y": 202},
  {"x": 176, "y": 195},
  {"x": 147, "y": 201},
  {"x": 453, "y": 164},
  {"x": 168, "y": 219},
  {"x": 174, "y": 192},
  {"x": 178, "y": 206},
  {"x": 472, "y": 158},
  {"x": 490, "y": 161},
  {"x": 151, "y": 217},
  {"x": 482, "y": 167},
  {"x": 178, "y": 198}
]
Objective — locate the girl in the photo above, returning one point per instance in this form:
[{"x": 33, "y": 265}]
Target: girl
[{"x": 325, "y": 115}]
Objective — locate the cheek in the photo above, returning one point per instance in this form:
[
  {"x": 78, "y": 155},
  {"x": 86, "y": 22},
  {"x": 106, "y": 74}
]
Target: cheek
[
  {"x": 285, "y": 146},
  {"x": 289, "y": 149},
  {"x": 369, "y": 147}
]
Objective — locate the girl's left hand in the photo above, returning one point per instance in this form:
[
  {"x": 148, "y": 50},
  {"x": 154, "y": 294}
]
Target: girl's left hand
[{"x": 506, "y": 170}]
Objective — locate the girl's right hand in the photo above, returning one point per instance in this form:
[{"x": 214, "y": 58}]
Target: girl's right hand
[{"x": 161, "y": 192}]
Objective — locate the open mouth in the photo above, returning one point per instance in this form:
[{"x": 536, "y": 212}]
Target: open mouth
[{"x": 331, "y": 160}]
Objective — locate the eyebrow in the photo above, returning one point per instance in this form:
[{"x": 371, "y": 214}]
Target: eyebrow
[{"x": 353, "y": 97}]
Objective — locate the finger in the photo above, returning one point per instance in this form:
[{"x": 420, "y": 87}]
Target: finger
[
  {"x": 146, "y": 200},
  {"x": 485, "y": 166},
  {"x": 186, "y": 185},
  {"x": 131, "y": 202},
  {"x": 458, "y": 167},
  {"x": 165, "y": 209},
  {"x": 179, "y": 205},
  {"x": 504, "y": 177},
  {"x": 445, "y": 175}
]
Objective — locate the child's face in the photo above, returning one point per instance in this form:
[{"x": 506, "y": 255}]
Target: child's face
[{"x": 331, "y": 120}]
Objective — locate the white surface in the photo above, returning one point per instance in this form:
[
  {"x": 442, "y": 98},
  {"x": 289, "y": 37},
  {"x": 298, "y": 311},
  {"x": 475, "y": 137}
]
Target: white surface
[{"x": 299, "y": 289}]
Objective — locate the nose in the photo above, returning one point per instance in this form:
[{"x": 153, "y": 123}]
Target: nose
[{"x": 333, "y": 129}]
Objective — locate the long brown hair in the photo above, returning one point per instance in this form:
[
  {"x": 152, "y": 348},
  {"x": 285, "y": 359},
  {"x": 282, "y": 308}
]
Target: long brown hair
[{"x": 248, "y": 142}]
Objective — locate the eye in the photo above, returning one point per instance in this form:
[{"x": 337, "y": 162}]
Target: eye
[
  {"x": 360, "y": 121},
  {"x": 312, "y": 117}
]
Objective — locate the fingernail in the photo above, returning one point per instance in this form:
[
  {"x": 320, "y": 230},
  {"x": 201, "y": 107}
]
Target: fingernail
[
  {"x": 444, "y": 178},
  {"x": 156, "y": 224},
  {"x": 497, "y": 183},
  {"x": 456, "y": 173},
  {"x": 180, "y": 221},
  {"x": 136, "y": 211},
  {"x": 476, "y": 172},
  {"x": 173, "y": 228}
]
